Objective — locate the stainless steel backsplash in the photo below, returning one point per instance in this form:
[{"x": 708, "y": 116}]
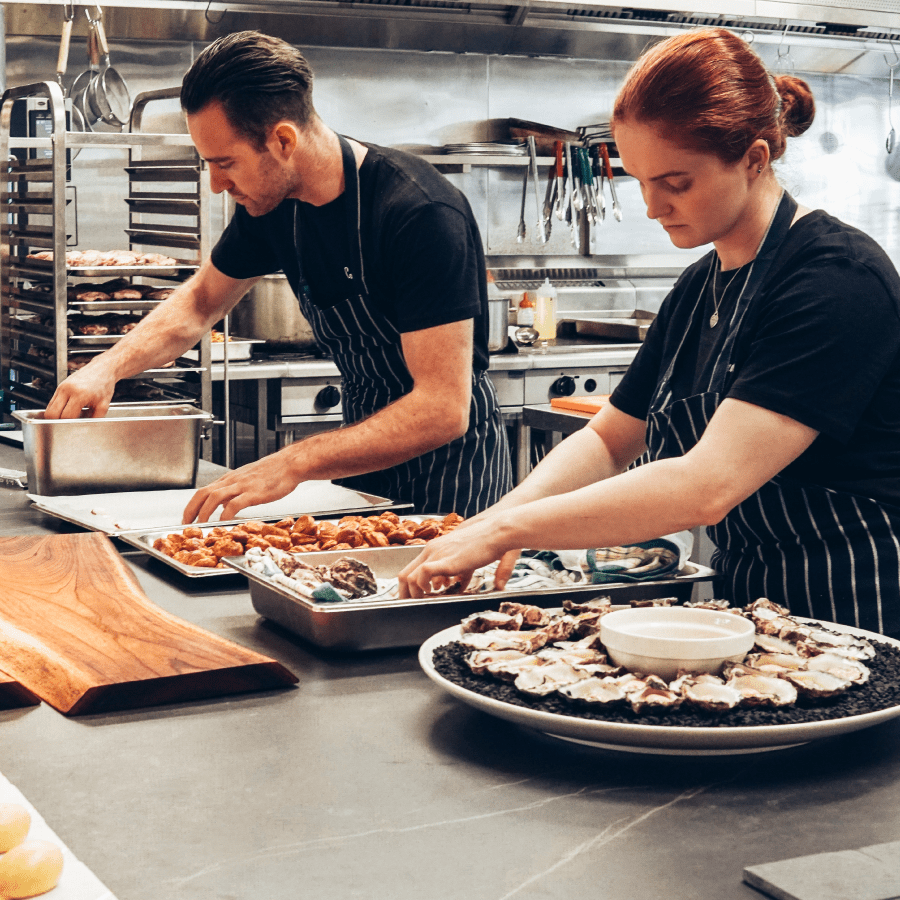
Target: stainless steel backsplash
[{"x": 425, "y": 100}]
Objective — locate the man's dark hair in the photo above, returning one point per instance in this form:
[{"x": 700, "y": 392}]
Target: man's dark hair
[{"x": 259, "y": 80}]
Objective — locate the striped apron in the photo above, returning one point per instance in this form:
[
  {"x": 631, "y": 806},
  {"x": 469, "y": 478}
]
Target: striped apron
[
  {"x": 465, "y": 476},
  {"x": 822, "y": 553}
]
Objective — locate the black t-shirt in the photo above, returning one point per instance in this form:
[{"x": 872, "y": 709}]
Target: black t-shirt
[
  {"x": 820, "y": 344},
  {"x": 423, "y": 260}
]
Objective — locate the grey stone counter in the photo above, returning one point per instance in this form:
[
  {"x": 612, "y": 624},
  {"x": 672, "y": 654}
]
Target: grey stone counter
[{"x": 366, "y": 781}]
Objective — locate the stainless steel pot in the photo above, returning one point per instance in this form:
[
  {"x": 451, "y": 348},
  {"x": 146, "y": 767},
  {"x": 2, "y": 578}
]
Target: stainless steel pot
[
  {"x": 498, "y": 323},
  {"x": 270, "y": 312}
]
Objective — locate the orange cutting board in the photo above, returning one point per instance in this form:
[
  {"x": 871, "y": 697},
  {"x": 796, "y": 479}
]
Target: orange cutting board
[
  {"x": 589, "y": 404},
  {"x": 77, "y": 630}
]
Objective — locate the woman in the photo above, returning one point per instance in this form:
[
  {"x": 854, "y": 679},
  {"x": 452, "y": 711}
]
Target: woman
[{"x": 767, "y": 392}]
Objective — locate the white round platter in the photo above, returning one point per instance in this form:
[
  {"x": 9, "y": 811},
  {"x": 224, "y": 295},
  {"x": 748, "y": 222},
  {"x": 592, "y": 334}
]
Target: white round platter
[{"x": 663, "y": 739}]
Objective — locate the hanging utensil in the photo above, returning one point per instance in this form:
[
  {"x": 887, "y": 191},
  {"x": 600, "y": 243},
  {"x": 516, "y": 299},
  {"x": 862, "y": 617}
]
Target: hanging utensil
[
  {"x": 520, "y": 234},
  {"x": 107, "y": 93},
  {"x": 891, "y": 138},
  {"x": 571, "y": 211},
  {"x": 76, "y": 119},
  {"x": 532, "y": 161},
  {"x": 617, "y": 210},
  {"x": 80, "y": 84},
  {"x": 597, "y": 170},
  {"x": 587, "y": 186},
  {"x": 547, "y": 218},
  {"x": 82, "y": 100},
  {"x": 560, "y": 182}
]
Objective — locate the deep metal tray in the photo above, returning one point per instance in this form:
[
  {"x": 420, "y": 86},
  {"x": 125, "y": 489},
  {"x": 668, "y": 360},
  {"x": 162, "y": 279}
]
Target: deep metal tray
[{"x": 381, "y": 624}]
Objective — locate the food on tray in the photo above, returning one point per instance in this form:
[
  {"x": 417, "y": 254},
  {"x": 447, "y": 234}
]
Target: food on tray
[
  {"x": 344, "y": 579},
  {"x": 91, "y": 325},
  {"x": 560, "y": 655},
  {"x": 15, "y": 821},
  {"x": 78, "y": 361},
  {"x": 88, "y": 296},
  {"x": 194, "y": 547},
  {"x": 30, "y": 869},
  {"x": 216, "y": 337},
  {"x": 93, "y": 258},
  {"x": 129, "y": 293},
  {"x": 160, "y": 294}
]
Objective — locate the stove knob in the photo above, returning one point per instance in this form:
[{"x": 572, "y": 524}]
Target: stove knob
[
  {"x": 564, "y": 386},
  {"x": 329, "y": 396}
]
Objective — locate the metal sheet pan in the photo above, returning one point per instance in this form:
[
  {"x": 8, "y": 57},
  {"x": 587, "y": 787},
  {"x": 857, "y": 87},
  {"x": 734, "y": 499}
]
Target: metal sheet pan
[
  {"x": 617, "y": 325},
  {"x": 123, "y": 512},
  {"x": 144, "y": 540},
  {"x": 381, "y": 624}
]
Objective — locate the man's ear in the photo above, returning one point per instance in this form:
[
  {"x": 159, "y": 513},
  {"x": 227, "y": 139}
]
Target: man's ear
[{"x": 284, "y": 139}]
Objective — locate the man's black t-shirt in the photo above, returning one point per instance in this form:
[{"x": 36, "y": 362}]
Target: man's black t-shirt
[
  {"x": 422, "y": 254},
  {"x": 820, "y": 344}
]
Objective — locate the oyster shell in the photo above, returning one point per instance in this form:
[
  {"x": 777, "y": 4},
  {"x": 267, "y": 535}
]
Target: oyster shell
[
  {"x": 763, "y": 690},
  {"x": 546, "y": 678},
  {"x": 819, "y": 640},
  {"x": 531, "y": 615},
  {"x": 489, "y": 621},
  {"x": 596, "y": 604},
  {"x": 840, "y": 666},
  {"x": 496, "y": 663},
  {"x": 656, "y": 601},
  {"x": 770, "y": 643},
  {"x": 715, "y": 697},
  {"x": 559, "y": 628},
  {"x": 763, "y": 603},
  {"x": 352, "y": 576},
  {"x": 526, "y": 641},
  {"x": 600, "y": 691},
  {"x": 774, "y": 663},
  {"x": 817, "y": 684},
  {"x": 650, "y": 692}
]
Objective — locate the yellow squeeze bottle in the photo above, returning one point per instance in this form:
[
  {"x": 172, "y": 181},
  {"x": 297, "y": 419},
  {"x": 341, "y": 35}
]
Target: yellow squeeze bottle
[{"x": 545, "y": 311}]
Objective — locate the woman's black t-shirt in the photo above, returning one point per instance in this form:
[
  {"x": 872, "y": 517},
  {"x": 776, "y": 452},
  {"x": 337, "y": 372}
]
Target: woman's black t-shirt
[{"x": 820, "y": 344}]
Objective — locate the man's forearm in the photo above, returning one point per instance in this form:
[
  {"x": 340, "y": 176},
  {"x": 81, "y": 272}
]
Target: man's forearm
[{"x": 401, "y": 431}]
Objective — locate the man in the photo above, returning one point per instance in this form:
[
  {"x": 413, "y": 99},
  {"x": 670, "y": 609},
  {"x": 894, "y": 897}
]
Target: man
[{"x": 385, "y": 258}]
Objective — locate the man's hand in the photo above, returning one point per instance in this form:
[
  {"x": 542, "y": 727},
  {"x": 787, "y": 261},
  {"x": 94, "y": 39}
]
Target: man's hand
[
  {"x": 262, "y": 481},
  {"x": 90, "y": 388}
]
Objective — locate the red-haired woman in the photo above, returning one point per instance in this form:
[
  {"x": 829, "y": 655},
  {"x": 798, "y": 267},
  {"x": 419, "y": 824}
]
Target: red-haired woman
[{"x": 767, "y": 392}]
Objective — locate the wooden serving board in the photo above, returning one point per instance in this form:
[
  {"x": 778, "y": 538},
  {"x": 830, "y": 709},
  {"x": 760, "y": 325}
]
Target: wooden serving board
[
  {"x": 14, "y": 695},
  {"x": 78, "y": 631}
]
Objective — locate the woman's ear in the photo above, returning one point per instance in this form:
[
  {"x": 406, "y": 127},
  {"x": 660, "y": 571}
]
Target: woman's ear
[{"x": 757, "y": 157}]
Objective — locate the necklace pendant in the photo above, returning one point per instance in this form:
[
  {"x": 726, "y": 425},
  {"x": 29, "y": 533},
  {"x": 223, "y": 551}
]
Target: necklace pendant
[{"x": 714, "y": 320}]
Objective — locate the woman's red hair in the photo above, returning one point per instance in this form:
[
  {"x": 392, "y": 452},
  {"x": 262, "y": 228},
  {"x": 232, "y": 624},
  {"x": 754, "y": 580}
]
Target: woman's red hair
[{"x": 710, "y": 91}]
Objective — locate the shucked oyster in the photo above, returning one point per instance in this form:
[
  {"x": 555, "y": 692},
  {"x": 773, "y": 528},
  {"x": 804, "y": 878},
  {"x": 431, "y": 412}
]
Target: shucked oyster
[
  {"x": 489, "y": 620},
  {"x": 547, "y": 678},
  {"x": 840, "y": 666},
  {"x": 531, "y": 615},
  {"x": 817, "y": 684},
  {"x": 713, "y": 695},
  {"x": 352, "y": 576},
  {"x": 526, "y": 641},
  {"x": 505, "y": 664},
  {"x": 763, "y": 690},
  {"x": 599, "y": 691}
]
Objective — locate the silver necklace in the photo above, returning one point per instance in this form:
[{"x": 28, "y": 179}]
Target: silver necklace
[{"x": 714, "y": 318}]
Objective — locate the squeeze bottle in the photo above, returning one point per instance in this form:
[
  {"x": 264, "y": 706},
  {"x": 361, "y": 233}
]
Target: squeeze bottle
[{"x": 545, "y": 311}]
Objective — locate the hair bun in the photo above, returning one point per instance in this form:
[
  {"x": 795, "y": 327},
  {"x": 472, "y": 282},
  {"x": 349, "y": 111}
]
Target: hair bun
[{"x": 798, "y": 106}]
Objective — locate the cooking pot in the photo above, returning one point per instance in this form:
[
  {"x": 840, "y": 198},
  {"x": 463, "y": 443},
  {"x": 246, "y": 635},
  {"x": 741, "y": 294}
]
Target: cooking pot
[
  {"x": 271, "y": 312},
  {"x": 498, "y": 323}
]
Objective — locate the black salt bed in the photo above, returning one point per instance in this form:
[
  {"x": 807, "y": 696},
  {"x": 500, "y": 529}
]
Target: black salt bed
[{"x": 881, "y": 691}]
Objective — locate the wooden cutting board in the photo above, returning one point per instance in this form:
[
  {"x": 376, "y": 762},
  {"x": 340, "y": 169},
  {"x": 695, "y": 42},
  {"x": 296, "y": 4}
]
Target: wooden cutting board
[
  {"x": 14, "y": 695},
  {"x": 78, "y": 631},
  {"x": 588, "y": 404}
]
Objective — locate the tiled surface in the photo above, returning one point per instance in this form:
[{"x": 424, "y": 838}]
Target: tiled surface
[{"x": 870, "y": 873}]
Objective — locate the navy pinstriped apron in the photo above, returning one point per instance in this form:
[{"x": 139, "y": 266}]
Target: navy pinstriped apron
[
  {"x": 822, "y": 553},
  {"x": 465, "y": 476}
]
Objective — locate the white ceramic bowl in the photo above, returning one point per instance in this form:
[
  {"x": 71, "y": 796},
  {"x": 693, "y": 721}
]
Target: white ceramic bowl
[{"x": 664, "y": 640}]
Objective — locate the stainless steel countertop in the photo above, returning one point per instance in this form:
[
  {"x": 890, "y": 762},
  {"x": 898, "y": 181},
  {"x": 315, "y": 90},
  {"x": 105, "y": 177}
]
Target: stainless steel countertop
[
  {"x": 614, "y": 355},
  {"x": 366, "y": 781}
]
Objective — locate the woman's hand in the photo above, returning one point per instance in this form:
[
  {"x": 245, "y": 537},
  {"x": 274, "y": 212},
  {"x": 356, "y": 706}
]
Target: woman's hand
[{"x": 455, "y": 556}]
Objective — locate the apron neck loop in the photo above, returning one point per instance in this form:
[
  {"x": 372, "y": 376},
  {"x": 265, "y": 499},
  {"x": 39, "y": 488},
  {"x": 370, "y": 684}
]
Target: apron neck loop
[{"x": 354, "y": 214}]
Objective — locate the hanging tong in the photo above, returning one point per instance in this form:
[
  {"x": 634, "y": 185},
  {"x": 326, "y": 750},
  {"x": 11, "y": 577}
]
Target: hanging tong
[
  {"x": 617, "y": 210},
  {"x": 560, "y": 181},
  {"x": 520, "y": 234},
  {"x": 597, "y": 169},
  {"x": 571, "y": 209},
  {"x": 532, "y": 159},
  {"x": 549, "y": 201},
  {"x": 587, "y": 185}
]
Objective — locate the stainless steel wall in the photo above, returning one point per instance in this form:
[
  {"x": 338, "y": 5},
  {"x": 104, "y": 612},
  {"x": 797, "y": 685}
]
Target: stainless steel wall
[{"x": 421, "y": 100}]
